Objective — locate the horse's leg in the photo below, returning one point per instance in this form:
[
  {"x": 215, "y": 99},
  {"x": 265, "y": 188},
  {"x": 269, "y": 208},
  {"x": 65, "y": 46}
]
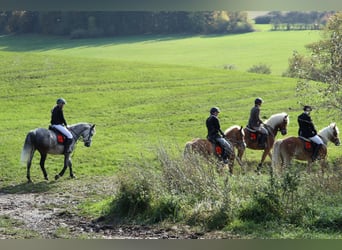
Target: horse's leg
[
  {"x": 308, "y": 170},
  {"x": 29, "y": 162},
  {"x": 70, "y": 168},
  {"x": 264, "y": 154},
  {"x": 231, "y": 163},
  {"x": 239, "y": 157},
  {"x": 42, "y": 162},
  {"x": 66, "y": 157},
  {"x": 324, "y": 165}
]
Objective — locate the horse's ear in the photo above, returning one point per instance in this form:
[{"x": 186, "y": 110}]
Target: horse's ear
[
  {"x": 241, "y": 127},
  {"x": 93, "y": 126},
  {"x": 333, "y": 125}
]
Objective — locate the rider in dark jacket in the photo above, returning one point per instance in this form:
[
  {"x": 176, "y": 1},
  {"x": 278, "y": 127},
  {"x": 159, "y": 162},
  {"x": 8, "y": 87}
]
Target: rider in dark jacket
[
  {"x": 307, "y": 130},
  {"x": 256, "y": 123},
  {"x": 58, "y": 122},
  {"x": 215, "y": 134}
]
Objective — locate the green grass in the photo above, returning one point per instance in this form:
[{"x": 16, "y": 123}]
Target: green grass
[
  {"x": 143, "y": 93},
  {"x": 242, "y": 51}
]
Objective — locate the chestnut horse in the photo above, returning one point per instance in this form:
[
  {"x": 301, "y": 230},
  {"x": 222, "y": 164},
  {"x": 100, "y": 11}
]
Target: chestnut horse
[
  {"x": 294, "y": 148},
  {"x": 235, "y": 138},
  {"x": 277, "y": 122}
]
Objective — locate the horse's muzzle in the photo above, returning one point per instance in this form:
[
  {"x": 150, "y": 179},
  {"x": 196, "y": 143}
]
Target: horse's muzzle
[
  {"x": 87, "y": 144},
  {"x": 283, "y": 132}
]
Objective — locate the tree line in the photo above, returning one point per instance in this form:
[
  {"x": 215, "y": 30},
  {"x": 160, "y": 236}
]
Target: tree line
[
  {"x": 114, "y": 23},
  {"x": 295, "y": 20}
]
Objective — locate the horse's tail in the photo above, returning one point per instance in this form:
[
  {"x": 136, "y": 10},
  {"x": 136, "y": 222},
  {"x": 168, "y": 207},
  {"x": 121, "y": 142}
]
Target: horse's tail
[
  {"x": 28, "y": 148},
  {"x": 187, "y": 150},
  {"x": 276, "y": 153}
]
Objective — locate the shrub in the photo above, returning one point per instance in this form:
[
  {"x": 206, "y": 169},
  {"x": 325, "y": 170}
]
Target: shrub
[
  {"x": 134, "y": 195},
  {"x": 264, "y": 207},
  {"x": 260, "y": 69},
  {"x": 167, "y": 207}
]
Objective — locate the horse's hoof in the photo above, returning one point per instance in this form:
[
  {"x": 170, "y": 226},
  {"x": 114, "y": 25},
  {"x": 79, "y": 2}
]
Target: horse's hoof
[
  {"x": 29, "y": 181},
  {"x": 72, "y": 176},
  {"x": 46, "y": 178},
  {"x": 57, "y": 177}
]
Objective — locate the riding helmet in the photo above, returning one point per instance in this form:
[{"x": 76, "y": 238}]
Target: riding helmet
[
  {"x": 258, "y": 101},
  {"x": 214, "y": 109},
  {"x": 61, "y": 101},
  {"x": 307, "y": 108}
]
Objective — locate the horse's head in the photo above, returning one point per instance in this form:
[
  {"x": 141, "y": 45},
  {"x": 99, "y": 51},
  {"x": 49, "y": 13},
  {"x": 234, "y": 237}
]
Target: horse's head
[
  {"x": 279, "y": 122},
  {"x": 87, "y": 135},
  {"x": 283, "y": 125},
  {"x": 236, "y": 136},
  {"x": 334, "y": 134}
]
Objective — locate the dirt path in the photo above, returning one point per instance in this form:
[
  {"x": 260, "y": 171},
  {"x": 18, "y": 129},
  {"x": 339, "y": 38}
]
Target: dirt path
[{"x": 49, "y": 216}]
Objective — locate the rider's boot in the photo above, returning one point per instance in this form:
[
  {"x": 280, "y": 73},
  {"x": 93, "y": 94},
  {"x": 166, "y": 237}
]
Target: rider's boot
[
  {"x": 224, "y": 155},
  {"x": 68, "y": 146},
  {"x": 262, "y": 141},
  {"x": 315, "y": 152}
]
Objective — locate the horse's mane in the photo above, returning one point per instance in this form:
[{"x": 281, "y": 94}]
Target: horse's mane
[
  {"x": 276, "y": 119},
  {"x": 231, "y": 128},
  {"x": 79, "y": 123}
]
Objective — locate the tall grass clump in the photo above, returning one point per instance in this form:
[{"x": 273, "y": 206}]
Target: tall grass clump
[
  {"x": 296, "y": 198},
  {"x": 178, "y": 190},
  {"x": 260, "y": 69},
  {"x": 191, "y": 191}
]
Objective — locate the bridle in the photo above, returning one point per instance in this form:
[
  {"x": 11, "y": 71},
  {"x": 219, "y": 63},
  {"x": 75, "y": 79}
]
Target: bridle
[
  {"x": 335, "y": 138},
  {"x": 86, "y": 139}
]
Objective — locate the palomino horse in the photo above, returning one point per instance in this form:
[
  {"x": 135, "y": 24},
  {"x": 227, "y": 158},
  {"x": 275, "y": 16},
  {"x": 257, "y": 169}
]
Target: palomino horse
[
  {"x": 277, "y": 122},
  {"x": 295, "y": 148},
  {"x": 45, "y": 141},
  {"x": 235, "y": 138}
]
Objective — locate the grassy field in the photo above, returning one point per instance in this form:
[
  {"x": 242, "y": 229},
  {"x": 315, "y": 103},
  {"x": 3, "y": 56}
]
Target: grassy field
[
  {"x": 143, "y": 93},
  {"x": 240, "y": 51}
]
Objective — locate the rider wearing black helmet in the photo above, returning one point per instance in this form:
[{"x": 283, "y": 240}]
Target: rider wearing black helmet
[
  {"x": 256, "y": 123},
  {"x": 215, "y": 134},
  {"x": 307, "y": 130},
  {"x": 58, "y": 122}
]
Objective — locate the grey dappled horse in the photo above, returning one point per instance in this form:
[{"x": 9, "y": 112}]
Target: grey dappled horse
[{"x": 45, "y": 141}]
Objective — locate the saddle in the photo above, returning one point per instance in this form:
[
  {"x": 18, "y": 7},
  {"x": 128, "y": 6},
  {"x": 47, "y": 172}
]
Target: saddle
[
  {"x": 307, "y": 144},
  {"x": 216, "y": 148},
  {"x": 60, "y": 137},
  {"x": 253, "y": 134}
]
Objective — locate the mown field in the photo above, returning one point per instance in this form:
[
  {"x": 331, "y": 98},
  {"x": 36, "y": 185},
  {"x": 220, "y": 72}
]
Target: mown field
[{"x": 144, "y": 94}]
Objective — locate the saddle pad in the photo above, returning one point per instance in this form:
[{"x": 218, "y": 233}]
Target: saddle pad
[
  {"x": 60, "y": 138},
  {"x": 218, "y": 150},
  {"x": 307, "y": 143},
  {"x": 253, "y": 136}
]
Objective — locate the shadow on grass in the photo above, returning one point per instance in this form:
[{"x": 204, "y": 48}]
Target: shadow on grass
[
  {"x": 34, "y": 42},
  {"x": 24, "y": 188}
]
